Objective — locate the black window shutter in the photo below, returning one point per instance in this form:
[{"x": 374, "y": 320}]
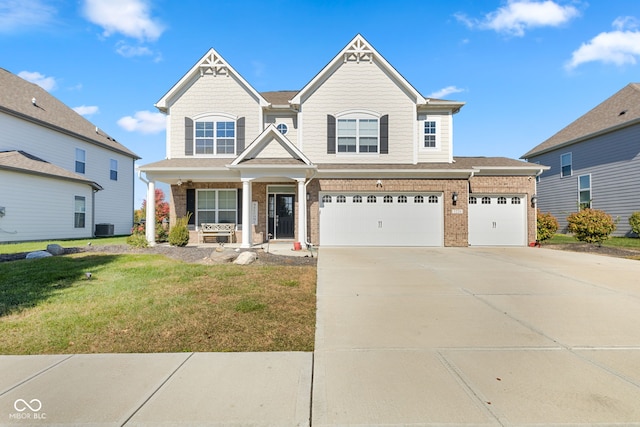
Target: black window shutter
[
  {"x": 191, "y": 205},
  {"x": 188, "y": 136},
  {"x": 331, "y": 134},
  {"x": 239, "y": 135},
  {"x": 240, "y": 206},
  {"x": 384, "y": 134}
]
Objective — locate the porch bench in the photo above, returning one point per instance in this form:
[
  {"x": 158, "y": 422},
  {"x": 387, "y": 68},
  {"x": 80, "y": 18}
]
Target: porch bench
[{"x": 216, "y": 230}]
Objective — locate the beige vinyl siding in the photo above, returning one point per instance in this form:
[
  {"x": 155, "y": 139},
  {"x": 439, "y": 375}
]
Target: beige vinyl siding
[
  {"x": 290, "y": 120},
  {"x": 359, "y": 86},
  {"x": 213, "y": 94},
  {"x": 442, "y": 153},
  {"x": 41, "y": 208},
  {"x": 273, "y": 150}
]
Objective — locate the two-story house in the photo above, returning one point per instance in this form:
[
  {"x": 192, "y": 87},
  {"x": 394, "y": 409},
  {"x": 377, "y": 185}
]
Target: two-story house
[
  {"x": 595, "y": 162},
  {"x": 356, "y": 157},
  {"x": 61, "y": 176}
]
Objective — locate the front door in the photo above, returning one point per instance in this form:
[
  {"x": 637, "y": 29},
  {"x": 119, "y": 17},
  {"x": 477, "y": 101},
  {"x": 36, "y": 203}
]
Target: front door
[{"x": 281, "y": 216}]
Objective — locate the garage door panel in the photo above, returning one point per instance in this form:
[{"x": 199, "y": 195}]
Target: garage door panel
[
  {"x": 497, "y": 224},
  {"x": 381, "y": 224}
]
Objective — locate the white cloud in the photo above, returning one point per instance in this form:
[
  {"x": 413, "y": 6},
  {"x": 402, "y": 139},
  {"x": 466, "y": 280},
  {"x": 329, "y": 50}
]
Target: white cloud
[
  {"x": 439, "y": 94},
  {"x": 129, "y": 51},
  {"x": 615, "y": 47},
  {"x": 130, "y": 18},
  {"x": 520, "y": 15},
  {"x": 626, "y": 23},
  {"x": 46, "y": 83},
  {"x": 23, "y": 15},
  {"x": 86, "y": 110},
  {"x": 144, "y": 122}
]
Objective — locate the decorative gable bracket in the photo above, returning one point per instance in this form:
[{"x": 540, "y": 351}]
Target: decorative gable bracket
[
  {"x": 214, "y": 64},
  {"x": 358, "y": 51}
]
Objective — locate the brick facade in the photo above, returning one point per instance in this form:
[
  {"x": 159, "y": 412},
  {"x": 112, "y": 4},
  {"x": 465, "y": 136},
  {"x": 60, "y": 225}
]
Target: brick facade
[{"x": 455, "y": 215}]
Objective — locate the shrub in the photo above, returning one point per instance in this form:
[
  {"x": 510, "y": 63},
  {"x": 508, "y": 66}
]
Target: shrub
[
  {"x": 591, "y": 225},
  {"x": 634, "y": 222},
  {"x": 179, "y": 233},
  {"x": 137, "y": 241},
  {"x": 547, "y": 226}
]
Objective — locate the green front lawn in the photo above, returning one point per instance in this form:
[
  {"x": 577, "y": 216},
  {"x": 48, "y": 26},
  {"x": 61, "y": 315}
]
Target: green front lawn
[
  {"x": 149, "y": 303},
  {"x": 14, "y": 248},
  {"x": 616, "y": 242}
]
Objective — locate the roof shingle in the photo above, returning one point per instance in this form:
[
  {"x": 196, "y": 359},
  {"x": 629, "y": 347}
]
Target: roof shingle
[
  {"x": 618, "y": 110},
  {"x": 16, "y": 99}
]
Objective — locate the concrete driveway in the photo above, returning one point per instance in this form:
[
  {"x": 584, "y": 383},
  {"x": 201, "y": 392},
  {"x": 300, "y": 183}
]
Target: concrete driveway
[{"x": 476, "y": 336}]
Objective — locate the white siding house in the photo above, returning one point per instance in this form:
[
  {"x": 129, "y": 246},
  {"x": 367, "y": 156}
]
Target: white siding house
[
  {"x": 356, "y": 157},
  {"x": 54, "y": 163}
]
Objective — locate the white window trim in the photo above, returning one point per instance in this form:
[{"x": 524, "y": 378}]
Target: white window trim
[
  {"x": 357, "y": 115},
  {"x": 438, "y": 120},
  {"x": 113, "y": 170},
  {"x": 84, "y": 161},
  {"x": 590, "y": 189},
  {"x": 570, "y": 164},
  {"x": 216, "y": 117},
  {"x": 217, "y": 209},
  {"x": 83, "y": 211}
]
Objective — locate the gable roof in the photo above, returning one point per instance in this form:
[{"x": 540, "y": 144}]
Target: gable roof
[
  {"x": 17, "y": 100},
  {"x": 267, "y": 136},
  {"x": 620, "y": 110},
  {"x": 19, "y": 161},
  {"x": 279, "y": 98},
  {"x": 358, "y": 49},
  {"x": 211, "y": 62}
]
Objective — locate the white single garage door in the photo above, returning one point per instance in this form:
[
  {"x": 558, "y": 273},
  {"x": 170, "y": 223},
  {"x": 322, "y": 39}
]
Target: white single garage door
[
  {"x": 381, "y": 219},
  {"x": 497, "y": 220}
]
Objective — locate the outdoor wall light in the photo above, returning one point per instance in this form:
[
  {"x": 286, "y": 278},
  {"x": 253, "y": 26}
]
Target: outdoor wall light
[
  {"x": 308, "y": 196},
  {"x": 379, "y": 183},
  {"x": 179, "y": 182},
  {"x": 534, "y": 200},
  {"x": 454, "y": 197}
]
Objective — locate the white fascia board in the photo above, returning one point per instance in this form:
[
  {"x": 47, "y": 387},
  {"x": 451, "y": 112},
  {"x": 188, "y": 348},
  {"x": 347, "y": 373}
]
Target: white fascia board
[
  {"x": 162, "y": 104},
  {"x": 400, "y": 173},
  {"x": 510, "y": 170},
  {"x": 418, "y": 98}
]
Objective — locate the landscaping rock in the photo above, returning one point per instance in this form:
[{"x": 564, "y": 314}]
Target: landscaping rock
[
  {"x": 55, "y": 249},
  {"x": 246, "y": 258},
  {"x": 38, "y": 254}
]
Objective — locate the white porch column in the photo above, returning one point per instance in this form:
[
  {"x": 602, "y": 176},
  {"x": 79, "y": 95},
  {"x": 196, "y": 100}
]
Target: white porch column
[
  {"x": 302, "y": 213},
  {"x": 150, "y": 222},
  {"x": 247, "y": 238}
]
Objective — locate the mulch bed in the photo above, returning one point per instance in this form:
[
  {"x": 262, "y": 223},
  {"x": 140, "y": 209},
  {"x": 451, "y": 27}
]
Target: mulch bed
[
  {"x": 595, "y": 249},
  {"x": 186, "y": 254}
]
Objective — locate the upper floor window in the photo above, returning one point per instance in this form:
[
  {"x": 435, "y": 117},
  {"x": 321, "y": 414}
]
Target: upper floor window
[
  {"x": 282, "y": 128},
  {"x": 215, "y": 137},
  {"x": 113, "y": 169},
  {"x": 431, "y": 132},
  {"x": 565, "y": 165},
  {"x": 357, "y": 135},
  {"x": 81, "y": 159},
  {"x": 584, "y": 191}
]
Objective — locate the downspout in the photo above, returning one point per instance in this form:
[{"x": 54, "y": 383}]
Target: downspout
[{"x": 308, "y": 233}]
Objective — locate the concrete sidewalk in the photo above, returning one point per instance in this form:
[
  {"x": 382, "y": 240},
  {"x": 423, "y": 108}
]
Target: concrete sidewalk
[
  {"x": 475, "y": 336},
  {"x": 213, "y": 389}
]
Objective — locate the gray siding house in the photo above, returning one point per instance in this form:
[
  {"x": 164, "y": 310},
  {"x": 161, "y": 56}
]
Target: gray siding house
[{"x": 594, "y": 162}]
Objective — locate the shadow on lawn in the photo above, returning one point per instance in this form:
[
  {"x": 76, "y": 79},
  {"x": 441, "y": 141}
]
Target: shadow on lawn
[{"x": 26, "y": 283}]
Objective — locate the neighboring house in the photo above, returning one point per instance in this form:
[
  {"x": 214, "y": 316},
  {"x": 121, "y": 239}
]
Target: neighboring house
[
  {"x": 61, "y": 175},
  {"x": 595, "y": 162},
  {"x": 356, "y": 157}
]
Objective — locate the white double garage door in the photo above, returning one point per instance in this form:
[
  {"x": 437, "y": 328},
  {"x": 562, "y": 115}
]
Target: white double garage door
[{"x": 416, "y": 219}]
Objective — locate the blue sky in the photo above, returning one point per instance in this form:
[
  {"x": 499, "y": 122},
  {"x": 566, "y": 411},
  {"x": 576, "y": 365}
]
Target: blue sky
[{"x": 525, "y": 68}]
